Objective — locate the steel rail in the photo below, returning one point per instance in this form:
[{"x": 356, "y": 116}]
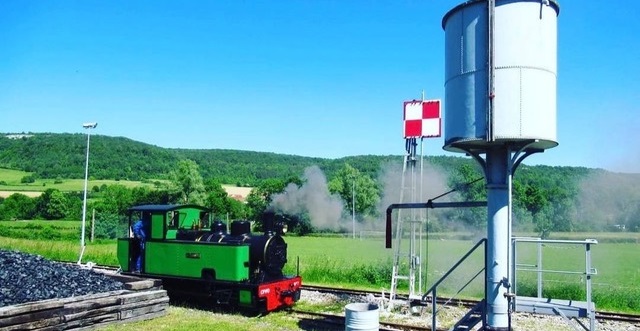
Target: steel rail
[
  {"x": 468, "y": 303},
  {"x": 339, "y": 320},
  {"x": 600, "y": 315}
]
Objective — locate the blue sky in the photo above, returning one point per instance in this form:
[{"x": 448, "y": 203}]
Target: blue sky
[{"x": 316, "y": 78}]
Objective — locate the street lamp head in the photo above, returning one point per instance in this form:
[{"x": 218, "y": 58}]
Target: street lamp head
[{"x": 90, "y": 125}]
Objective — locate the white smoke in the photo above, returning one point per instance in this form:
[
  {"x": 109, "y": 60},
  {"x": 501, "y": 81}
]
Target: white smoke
[
  {"x": 605, "y": 199},
  {"x": 313, "y": 197},
  {"x": 418, "y": 187},
  {"x": 430, "y": 184}
]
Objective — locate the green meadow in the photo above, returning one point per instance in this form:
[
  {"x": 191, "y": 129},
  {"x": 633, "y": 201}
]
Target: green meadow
[
  {"x": 10, "y": 180},
  {"x": 366, "y": 264}
]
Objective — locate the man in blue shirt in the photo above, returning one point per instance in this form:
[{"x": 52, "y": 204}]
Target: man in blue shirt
[{"x": 138, "y": 233}]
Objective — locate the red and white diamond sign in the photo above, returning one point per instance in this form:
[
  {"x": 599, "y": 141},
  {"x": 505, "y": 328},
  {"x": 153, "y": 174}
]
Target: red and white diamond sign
[{"x": 422, "y": 119}]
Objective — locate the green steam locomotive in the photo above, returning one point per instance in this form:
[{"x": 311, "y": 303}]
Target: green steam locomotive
[{"x": 196, "y": 256}]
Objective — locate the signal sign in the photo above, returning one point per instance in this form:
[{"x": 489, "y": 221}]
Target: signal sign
[{"x": 422, "y": 119}]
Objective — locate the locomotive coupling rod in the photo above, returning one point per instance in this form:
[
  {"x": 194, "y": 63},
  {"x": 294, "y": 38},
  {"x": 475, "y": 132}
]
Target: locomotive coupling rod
[{"x": 428, "y": 204}]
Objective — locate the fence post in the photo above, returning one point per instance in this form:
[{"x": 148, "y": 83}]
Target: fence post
[
  {"x": 539, "y": 269},
  {"x": 592, "y": 325}
]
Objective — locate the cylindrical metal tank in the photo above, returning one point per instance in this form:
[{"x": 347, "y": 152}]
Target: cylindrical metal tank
[
  {"x": 362, "y": 316},
  {"x": 525, "y": 65}
]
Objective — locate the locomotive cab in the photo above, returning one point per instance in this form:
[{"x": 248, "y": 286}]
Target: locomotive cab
[{"x": 160, "y": 223}]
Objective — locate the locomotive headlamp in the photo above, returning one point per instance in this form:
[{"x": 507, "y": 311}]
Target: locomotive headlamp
[{"x": 280, "y": 227}]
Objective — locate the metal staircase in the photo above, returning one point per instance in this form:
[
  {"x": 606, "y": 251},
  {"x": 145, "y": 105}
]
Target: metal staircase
[
  {"x": 472, "y": 318},
  {"x": 475, "y": 315}
]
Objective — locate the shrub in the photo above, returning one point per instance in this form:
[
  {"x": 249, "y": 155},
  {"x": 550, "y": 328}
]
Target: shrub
[
  {"x": 110, "y": 226},
  {"x": 28, "y": 179}
]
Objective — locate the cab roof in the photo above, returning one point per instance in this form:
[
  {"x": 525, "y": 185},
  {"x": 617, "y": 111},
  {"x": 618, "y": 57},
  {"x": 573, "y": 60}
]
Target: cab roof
[{"x": 164, "y": 208}]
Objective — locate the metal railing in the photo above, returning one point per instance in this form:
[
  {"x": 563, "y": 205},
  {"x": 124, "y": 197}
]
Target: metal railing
[
  {"x": 537, "y": 268},
  {"x": 434, "y": 289}
]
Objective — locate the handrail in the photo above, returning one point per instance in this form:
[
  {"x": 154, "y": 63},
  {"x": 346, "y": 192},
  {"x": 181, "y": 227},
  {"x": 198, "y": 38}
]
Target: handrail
[
  {"x": 464, "y": 286},
  {"x": 537, "y": 268},
  {"x": 480, "y": 242},
  {"x": 433, "y": 288},
  {"x": 428, "y": 204}
]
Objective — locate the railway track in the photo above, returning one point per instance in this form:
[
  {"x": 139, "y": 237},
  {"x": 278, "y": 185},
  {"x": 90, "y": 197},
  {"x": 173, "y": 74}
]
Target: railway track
[
  {"x": 337, "y": 322},
  {"x": 600, "y": 315},
  {"x": 619, "y": 317},
  {"x": 338, "y": 291}
]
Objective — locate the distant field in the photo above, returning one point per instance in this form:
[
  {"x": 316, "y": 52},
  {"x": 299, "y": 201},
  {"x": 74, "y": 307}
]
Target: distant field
[
  {"x": 12, "y": 179},
  {"x": 12, "y": 176},
  {"x": 239, "y": 192},
  {"x": 31, "y": 194}
]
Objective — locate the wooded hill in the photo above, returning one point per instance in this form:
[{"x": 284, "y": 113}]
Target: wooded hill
[
  {"x": 62, "y": 155},
  {"x": 558, "y": 198}
]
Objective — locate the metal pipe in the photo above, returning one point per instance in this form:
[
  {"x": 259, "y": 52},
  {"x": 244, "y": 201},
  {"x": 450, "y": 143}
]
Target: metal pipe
[
  {"x": 590, "y": 312},
  {"x": 353, "y": 211},
  {"x": 491, "y": 6},
  {"x": 539, "y": 270},
  {"x": 434, "y": 301},
  {"x": 555, "y": 241},
  {"x": 428, "y": 204},
  {"x": 497, "y": 258},
  {"x": 514, "y": 259},
  {"x": 84, "y": 200}
]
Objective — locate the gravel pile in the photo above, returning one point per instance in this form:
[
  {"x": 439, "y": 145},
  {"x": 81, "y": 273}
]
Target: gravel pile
[{"x": 26, "y": 278}]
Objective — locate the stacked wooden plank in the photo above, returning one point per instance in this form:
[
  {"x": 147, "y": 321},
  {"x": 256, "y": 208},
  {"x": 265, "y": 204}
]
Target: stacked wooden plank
[{"x": 140, "y": 300}]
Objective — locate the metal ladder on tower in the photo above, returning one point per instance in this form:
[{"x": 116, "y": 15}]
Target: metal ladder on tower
[{"x": 406, "y": 262}]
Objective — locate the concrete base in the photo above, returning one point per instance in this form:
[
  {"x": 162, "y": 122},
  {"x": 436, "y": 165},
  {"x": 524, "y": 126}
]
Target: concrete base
[{"x": 546, "y": 306}]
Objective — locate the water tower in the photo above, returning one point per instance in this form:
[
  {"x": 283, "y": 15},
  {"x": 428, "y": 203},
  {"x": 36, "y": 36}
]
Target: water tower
[{"x": 500, "y": 107}]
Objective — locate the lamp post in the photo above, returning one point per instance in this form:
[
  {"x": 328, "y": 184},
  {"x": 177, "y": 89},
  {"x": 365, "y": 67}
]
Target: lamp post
[
  {"x": 87, "y": 126},
  {"x": 353, "y": 209}
]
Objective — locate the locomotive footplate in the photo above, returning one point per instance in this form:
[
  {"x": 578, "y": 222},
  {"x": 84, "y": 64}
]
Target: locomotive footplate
[{"x": 262, "y": 297}]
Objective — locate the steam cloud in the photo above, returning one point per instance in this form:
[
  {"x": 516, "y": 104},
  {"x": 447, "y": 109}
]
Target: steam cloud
[
  {"x": 434, "y": 183},
  {"x": 606, "y": 199},
  {"x": 325, "y": 210}
]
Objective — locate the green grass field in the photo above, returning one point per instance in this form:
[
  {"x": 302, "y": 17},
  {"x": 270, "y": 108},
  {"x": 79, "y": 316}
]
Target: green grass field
[
  {"x": 12, "y": 179},
  {"x": 12, "y": 176},
  {"x": 366, "y": 264}
]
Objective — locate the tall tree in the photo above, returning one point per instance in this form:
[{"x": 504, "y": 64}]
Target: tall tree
[
  {"x": 56, "y": 207},
  {"x": 116, "y": 199},
  {"x": 186, "y": 179},
  {"x": 17, "y": 207},
  {"x": 355, "y": 188},
  {"x": 260, "y": 196},
  {"x": 52, "y": 205},
  {"x": 221, "y": 203}
]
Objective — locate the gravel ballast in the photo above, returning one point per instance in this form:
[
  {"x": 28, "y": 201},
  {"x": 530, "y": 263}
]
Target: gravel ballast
[
  {"x": 27, "y": 278},
  {"x": 450, "y": 314}
]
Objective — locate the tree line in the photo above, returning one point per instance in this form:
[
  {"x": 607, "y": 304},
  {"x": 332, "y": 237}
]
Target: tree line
[{"x": 545, "y": 199}]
